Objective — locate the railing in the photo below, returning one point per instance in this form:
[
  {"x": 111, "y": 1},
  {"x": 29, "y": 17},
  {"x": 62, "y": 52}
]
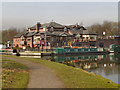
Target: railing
[{"x": 38, "y": 49}]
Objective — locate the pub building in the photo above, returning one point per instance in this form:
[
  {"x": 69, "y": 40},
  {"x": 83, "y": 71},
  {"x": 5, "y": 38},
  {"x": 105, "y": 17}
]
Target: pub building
[{"x": 57, "y": 35}]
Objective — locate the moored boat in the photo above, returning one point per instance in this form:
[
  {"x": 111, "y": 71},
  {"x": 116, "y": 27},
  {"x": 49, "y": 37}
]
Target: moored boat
[{"x": 76, "y": 50}]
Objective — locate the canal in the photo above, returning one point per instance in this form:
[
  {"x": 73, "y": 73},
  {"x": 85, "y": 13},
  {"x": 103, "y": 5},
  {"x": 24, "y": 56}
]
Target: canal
[{"x": 104, "y": 65}]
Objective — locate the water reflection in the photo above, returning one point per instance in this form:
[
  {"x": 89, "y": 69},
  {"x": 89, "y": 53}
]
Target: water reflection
[{"x": 104, "y": 65}]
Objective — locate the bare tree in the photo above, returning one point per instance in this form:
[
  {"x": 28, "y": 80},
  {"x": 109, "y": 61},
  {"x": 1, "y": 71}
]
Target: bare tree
[{"x": 110, "y": 28}]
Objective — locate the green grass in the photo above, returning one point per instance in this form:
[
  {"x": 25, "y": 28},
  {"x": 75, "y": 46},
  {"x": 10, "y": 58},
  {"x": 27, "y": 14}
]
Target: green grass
[
  {"x": 75, "y": 77},
  {"x": 14, "y": 74}
]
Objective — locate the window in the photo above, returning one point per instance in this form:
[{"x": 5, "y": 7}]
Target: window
[
  {"x": 38, "y": 39},
  {"x": 82, "y": 37},
  {"x": 101, "y": 44},
  {"x": 92, "y": 44},
  {"x": 92, "y": 38},
  {"x": 23, "y": 39},
  {"x": 87, "y": 38},
  {"x": 29, "y": 40}
]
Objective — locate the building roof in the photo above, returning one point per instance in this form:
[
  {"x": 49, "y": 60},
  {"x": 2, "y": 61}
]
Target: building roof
[
  {"x": 55, "y": 33},
  {"x": 77, "y": 29},
  {"x": 20, "y": 34},
  {"x": 60, "y": 33},
  {"x": 30, "y": 34},
  {"x": 33, "y": 27},
  {"x": 50, "y": 24},
  {"x": 74, "y": 31},
  {"x": 39, "y": 33},
  {"x": 80, "y": 30}
]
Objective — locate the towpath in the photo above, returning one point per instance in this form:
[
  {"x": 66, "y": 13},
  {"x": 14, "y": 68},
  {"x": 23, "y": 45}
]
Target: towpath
[{"x": 40, "y": 75}]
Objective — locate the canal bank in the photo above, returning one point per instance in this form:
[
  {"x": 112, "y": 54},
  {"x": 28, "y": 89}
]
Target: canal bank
[
  {"x": 103, "y": 65},
  {"x": 75, "y": 77}
]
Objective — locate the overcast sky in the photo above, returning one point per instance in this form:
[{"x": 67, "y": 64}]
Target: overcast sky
[{"x": 26, "y": 14}]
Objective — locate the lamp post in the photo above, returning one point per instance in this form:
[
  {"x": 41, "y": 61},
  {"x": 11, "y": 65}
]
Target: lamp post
[{"x": 45, "y": 40}]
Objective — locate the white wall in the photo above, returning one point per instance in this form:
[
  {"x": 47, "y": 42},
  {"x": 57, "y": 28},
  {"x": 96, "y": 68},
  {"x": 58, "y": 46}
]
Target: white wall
[{"x": 2, "y": 46}]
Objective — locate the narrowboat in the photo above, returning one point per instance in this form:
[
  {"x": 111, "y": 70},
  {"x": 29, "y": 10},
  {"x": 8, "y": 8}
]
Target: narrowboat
[{"x": 76, "y": 51}]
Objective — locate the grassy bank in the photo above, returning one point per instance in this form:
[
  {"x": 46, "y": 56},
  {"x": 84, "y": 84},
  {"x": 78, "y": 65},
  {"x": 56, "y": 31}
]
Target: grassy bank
[
  {"x": 14, "y": 74},
  {"x": 75, "y": 77}
]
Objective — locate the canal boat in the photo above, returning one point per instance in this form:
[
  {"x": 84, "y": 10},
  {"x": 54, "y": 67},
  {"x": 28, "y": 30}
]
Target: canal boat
[{"x": 76, "y": 51}]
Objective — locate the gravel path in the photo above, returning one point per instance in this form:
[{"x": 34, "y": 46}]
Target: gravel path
[{"x": 40, "y": 75}]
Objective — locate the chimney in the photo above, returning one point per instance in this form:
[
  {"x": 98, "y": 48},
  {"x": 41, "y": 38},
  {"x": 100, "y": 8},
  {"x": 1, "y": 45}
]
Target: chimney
[{"x": 38, "y": 25}]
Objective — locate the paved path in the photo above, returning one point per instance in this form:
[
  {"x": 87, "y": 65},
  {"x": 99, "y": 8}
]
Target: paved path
[{"x": 40, "y": 75}]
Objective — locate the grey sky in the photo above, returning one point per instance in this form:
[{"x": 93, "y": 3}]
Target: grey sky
[{"x": 23, "y": 14}]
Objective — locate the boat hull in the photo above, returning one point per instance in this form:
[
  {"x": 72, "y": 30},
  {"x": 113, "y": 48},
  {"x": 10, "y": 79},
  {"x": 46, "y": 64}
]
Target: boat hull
[{"x": 83, "y": 53}]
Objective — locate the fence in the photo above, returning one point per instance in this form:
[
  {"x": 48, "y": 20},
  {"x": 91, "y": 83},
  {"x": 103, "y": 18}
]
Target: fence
[{"x": 38, "y": 49}]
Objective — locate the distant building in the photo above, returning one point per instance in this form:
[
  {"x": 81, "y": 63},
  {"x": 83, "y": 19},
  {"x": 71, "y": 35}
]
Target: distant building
[
  {"x": 2, "y": 46},
  {"x": 57, "y": 35}
]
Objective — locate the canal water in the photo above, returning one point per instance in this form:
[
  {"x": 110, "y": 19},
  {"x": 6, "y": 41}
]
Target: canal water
[{"x": 104, "y": 65}]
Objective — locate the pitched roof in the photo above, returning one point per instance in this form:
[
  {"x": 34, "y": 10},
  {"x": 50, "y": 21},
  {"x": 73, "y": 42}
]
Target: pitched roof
[
  {"x": 61, "y": 33},
  {"x": 20, "y": 34},
  {"x": 39, "y": 33},
  {"x": 65, "y": 33},
  {"x": 33, "y": 27},
  {"x": 50, "y": 24},
  {"x": 56, "y": 33},
  {"x": 74, "y": 31},
  {"x": 31, "y": 34},
  {"x": 78, "y": 29},
  {"x": 53, "y": 24}
]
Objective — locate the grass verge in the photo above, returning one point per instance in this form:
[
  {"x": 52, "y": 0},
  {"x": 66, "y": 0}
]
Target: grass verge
[
  {"x": 14, "y": 74},
  {"x": 75, "y": 77}
]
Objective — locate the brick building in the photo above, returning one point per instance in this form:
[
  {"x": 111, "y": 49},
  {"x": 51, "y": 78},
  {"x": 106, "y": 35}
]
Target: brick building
[{"x": 57, "y": 35}]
